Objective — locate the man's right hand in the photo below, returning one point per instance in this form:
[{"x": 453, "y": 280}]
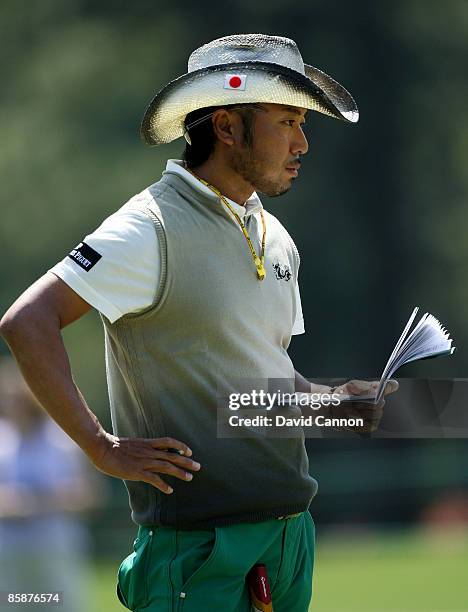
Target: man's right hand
[{"x": 144, "y": 458}]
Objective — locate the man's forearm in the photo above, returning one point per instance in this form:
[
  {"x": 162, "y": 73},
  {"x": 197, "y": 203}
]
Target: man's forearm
[
  {"x": 302, "y": 385},
  {"x": 32, "y": 329},
  {"x": 37, "y": 344}
]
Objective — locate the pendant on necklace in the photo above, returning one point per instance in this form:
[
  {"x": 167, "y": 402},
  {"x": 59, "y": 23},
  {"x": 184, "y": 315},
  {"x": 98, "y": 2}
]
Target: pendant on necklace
[{"x": 261, "y": 273}]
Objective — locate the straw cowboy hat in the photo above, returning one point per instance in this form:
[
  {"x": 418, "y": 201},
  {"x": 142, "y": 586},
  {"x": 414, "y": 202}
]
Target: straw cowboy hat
[{"x": 243, "y": 69}]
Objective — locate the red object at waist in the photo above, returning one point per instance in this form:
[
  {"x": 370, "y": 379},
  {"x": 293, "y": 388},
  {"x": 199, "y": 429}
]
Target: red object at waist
[{"x": 259, "y": 588}]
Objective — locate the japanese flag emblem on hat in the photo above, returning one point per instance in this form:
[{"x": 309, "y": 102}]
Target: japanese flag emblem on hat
[{"x": 235, "y": 81}]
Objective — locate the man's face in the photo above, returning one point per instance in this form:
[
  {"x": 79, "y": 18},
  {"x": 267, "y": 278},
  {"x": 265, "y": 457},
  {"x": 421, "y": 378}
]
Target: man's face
[{"x": 270, "y": 162}]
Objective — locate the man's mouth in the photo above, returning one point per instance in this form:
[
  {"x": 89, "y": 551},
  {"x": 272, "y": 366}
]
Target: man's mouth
[{"x": 293, "y": 168}]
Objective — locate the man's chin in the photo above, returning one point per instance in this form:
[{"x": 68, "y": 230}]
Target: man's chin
[{"x": 279, "y": 190}]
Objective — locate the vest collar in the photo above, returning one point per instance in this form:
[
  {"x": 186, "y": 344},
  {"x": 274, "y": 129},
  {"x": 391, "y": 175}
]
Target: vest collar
[{"x": 252, "y": 206}]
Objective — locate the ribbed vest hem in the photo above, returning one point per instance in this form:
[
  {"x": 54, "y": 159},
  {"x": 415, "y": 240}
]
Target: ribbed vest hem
[{"x": 224, "y": 521}]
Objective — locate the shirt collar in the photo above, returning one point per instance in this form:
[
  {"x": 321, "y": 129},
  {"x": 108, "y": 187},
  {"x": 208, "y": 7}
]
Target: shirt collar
[{"x": 252, "y": 206}]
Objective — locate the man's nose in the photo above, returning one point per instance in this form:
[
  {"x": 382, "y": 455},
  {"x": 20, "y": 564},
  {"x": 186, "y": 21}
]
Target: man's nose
[{"x": 299, "y": 146}]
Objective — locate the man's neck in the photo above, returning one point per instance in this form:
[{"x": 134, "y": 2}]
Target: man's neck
[{"x": 225, "y": 179}]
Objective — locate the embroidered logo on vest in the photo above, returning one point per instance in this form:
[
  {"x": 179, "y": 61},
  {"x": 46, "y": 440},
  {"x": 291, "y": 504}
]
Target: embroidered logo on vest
[{"x": 282, "y": 272}]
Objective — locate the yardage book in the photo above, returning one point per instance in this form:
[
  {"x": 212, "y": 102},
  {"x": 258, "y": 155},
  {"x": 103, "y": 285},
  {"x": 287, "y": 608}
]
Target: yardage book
[{"x": 428, "y": 339}]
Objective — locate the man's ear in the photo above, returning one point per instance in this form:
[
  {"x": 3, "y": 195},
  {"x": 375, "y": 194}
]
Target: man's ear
[{"x": 224, "y": 126}]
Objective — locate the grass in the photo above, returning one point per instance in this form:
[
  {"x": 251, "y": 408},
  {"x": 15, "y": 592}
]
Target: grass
[
  {"x": 368, "y": 572},
  {"x": 425, "y": 571}
]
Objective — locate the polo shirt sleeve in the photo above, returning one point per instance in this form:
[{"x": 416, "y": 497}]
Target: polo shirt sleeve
[
  {"x": 116, "y": 269},
  {"x": 298, "y": 327}
]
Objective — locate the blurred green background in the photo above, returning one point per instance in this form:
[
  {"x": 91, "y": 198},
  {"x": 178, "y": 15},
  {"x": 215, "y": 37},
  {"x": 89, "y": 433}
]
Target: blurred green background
[{"x": 379, "y": 216}]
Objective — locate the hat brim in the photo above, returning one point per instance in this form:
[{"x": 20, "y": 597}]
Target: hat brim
[{"x": 265, "y": 82}]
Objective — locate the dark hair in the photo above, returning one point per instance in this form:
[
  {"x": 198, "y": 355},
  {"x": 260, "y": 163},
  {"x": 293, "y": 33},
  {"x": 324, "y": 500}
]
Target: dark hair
[{"x": 203, "y": 137}]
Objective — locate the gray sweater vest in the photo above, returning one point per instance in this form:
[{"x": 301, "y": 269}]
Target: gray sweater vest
[{"x": 213, "y": 323}]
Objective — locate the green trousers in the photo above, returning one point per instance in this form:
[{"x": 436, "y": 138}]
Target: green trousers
[{"x": 172, "y": 570}]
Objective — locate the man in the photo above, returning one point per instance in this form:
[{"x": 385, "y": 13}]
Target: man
[{"x": 197, "y": 288}]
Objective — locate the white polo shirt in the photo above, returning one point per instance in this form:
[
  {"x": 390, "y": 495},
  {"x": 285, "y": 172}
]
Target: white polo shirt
[{"x": 124, "y": 278}]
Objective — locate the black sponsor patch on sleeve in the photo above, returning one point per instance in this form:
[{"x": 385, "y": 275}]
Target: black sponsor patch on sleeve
[{"x": 84, "y": 256}]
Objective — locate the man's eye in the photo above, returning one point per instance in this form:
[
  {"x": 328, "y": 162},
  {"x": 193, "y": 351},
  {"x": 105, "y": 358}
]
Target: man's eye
[{"x": 292, "y": 122}]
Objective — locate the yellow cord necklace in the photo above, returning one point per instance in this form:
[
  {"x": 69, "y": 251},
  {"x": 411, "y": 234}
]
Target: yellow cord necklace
[{"x": 259, "y": 262}]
